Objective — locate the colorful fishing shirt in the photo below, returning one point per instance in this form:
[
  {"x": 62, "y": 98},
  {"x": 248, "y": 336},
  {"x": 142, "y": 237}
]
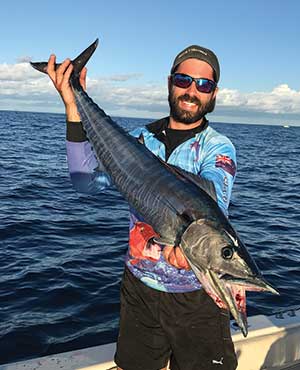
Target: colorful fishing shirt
[{"x": 205, "y": 152}]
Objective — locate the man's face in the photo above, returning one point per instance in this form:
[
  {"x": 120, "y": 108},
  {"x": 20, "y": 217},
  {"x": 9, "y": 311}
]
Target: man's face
[{"x": 189, "y": 105}]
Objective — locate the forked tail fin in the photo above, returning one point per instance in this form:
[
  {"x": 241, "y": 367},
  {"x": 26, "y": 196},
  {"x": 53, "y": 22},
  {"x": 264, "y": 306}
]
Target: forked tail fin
[{"x": 78, "y": 62}]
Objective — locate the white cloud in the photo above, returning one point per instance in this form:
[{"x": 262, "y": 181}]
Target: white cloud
[
  {"x": 16, "y": 72},
  {"x": 22, "y": 87},
  {"x": 282, "y": 99},
  {"x": 125, "y": 77},
  {"x": 24, "y": 59},
  {"x": 230, "y": 98}
]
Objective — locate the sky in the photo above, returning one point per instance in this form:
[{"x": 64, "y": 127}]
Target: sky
[{"x": 256, "y": 41}]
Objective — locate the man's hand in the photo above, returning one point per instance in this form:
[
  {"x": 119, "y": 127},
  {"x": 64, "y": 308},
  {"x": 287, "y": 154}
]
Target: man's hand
[
  {"x": 175, "y": 257},
  {"x": 60, "y": 79}
]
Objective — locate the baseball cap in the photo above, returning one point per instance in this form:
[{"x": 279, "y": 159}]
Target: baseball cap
[{"x": 201, "y": 53}]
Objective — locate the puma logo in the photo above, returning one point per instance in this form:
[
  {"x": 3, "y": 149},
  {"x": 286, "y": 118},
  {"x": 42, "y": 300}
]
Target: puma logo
[{"x": 220, "y": 362}]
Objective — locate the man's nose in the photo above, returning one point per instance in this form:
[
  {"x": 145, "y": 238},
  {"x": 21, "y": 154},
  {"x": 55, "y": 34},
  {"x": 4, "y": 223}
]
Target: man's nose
[{"x": 192, "y": 89}]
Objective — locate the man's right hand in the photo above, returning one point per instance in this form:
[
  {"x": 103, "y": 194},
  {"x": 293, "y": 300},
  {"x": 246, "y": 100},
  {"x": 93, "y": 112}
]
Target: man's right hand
[
  {"x": 60, "y": 78},
  {"x": 174, "y": 256}
]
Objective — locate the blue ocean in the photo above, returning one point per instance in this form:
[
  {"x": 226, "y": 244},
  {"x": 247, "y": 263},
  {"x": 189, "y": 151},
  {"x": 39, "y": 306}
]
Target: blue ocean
[{"x": 62, "y": 253}]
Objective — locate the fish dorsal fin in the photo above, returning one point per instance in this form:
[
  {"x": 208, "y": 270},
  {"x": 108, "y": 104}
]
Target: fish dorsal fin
[
  {"x": 186, "y": 176},
  {"x": 187, "y": 216},
  {"x": 141, "y": 139},
  {"x": 200, "y": 182}
]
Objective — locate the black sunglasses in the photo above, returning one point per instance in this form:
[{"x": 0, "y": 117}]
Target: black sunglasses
[{"x": 203, "y": 85}]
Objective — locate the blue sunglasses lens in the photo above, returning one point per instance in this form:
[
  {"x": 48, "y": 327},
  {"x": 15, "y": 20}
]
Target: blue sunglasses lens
[
  {"x": 184, "y": 81},
  {"x": 180, "y": 80},
  {"x": 205, "y": 86}
]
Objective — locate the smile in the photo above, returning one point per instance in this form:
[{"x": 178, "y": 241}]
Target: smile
[{"x": 187, "y": 104}]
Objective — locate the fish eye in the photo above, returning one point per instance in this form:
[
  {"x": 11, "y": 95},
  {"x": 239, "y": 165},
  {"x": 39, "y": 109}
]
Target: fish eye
[{"x": 227, "y": 253}]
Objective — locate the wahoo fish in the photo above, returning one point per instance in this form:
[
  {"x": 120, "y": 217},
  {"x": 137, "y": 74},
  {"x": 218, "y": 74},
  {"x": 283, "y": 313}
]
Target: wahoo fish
[{"x": 180, "y": 206}]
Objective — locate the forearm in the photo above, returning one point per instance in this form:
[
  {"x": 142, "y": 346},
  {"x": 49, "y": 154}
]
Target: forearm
[
  {"x": 87, "y": 174},
  {"x": 85, "y": 171},
  {"x": 72, "y": 114}
]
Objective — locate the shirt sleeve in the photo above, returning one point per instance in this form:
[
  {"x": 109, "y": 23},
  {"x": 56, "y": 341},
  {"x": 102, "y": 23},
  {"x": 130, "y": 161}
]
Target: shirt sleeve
[
  {"x": 219, "y": 166},
  {"x": 86, "y": 172}
]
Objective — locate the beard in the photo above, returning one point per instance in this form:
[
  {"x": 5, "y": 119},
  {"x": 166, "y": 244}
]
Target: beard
[{"x": 187, "y": 117}]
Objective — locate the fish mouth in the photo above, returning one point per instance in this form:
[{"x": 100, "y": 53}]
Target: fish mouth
[
  {"x": 251, "y": 283},
  {"x": 235, "y": 295},
  {"x": 231, "y": 297},
  {"x": 229, "y": 292}
]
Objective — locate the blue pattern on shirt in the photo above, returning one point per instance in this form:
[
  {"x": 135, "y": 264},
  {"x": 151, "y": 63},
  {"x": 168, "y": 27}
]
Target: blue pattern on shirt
[{"x": 197, "y": 155}]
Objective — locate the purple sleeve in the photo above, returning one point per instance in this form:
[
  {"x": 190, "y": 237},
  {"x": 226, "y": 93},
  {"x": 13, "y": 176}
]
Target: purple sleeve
[{"x": 86, "y": 173}]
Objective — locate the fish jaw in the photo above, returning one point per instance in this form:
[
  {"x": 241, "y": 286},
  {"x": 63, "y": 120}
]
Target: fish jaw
[
  {"x": 225, "y": 280},
  {"x": 206, "y": 245},
  {"x": 230, "y": 293},
  {"x": 232, "y": 298},
  {"x": 253, "y": 283},
  {"x": 227, "y": 297},
  {"x": 235, "y": 295}
]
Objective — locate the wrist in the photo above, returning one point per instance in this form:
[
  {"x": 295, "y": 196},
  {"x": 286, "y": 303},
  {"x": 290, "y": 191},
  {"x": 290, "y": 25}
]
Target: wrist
[{"x": 72, "y": 114}]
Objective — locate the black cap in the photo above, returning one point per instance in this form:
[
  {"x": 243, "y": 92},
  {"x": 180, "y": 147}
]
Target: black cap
[{"x": 201, "y": 53}]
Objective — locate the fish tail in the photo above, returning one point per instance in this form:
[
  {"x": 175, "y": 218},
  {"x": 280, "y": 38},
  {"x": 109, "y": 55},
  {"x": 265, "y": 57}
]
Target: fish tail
[
  {"x": 78, "y": 62},
  {"x": 40, "y": 66},
  {"x": 82, "y": 59}
]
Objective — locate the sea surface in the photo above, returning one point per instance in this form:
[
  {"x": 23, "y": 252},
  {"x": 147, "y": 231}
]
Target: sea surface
[{"x": 62, "y": 252}]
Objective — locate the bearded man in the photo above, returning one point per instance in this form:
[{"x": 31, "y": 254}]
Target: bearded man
[{"x": 166, "y": 317}]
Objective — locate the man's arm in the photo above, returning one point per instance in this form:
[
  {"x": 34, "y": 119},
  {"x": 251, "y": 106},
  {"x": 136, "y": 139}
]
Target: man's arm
[
  {"x": 219, "y": 166},
  {"x": 61, "y": 81},
  {"x": 86, "y": 172}
]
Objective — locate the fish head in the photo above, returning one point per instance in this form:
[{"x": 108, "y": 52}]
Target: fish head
[
  {"x": 223, "y": 265},
  {"x": 217, "y": 249}
]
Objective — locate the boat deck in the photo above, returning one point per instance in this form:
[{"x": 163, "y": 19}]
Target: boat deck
[{"x": 273, "y": 343}]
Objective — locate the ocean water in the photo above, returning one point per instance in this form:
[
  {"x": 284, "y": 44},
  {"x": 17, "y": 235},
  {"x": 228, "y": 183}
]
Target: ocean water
[{"x": 62, "y": 253}]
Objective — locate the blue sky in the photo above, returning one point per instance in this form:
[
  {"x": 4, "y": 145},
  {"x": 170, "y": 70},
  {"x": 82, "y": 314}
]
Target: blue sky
[{"x": 257, "y": 43}]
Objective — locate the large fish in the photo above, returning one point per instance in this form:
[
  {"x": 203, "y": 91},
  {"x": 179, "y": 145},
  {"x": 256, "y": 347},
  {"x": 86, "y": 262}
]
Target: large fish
[{"x": 180, "y": 206}]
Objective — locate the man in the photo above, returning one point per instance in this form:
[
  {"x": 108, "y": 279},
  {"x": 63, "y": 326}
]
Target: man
[{"x": 165, "y": 315}]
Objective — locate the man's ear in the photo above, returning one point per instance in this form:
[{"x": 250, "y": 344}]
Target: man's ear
[{"x": 215, "y": 92}]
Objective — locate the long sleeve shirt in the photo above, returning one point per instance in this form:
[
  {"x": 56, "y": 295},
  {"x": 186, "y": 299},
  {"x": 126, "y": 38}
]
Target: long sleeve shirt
[{"x": 202, "y": 151}]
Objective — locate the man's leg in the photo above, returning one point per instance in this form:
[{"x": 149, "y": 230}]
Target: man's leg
[
  {"x": 142, "y": 343},
  {"x": 198, "y": 331}
]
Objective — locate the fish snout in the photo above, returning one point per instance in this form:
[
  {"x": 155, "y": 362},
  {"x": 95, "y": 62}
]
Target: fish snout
[{"x": 251, "y": 283}]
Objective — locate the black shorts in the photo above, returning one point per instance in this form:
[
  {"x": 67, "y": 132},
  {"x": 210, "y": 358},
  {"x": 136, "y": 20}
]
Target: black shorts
[{"x": 187, "y": 328}]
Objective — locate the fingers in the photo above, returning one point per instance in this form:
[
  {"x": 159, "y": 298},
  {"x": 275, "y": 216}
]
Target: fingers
[
  {"x": 61, "y": 76},
  {"x": 169, "y": 255},
  {"x": 51, "y": 68},
  {"x": 82, "y": 78},
  {"x": 172, "y": 259},
  {"x": 181, "y": 260},
  {"x": 64, "y": 78},
  {"x": 166, "y": 252},
  {"x": 175, "y": 257},
  {"x": 62, "y": 73}
]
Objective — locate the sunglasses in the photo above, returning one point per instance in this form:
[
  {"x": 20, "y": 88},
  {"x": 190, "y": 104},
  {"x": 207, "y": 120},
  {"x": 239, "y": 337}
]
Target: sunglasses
[{"x": 203, "y": 85}]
